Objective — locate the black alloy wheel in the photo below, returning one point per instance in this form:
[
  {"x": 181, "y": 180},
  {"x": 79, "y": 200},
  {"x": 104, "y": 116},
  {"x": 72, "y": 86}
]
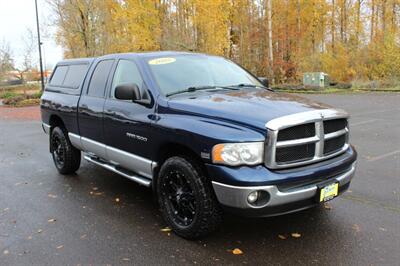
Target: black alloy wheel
[
  {"x": 186, "y": 198},
  {"x": 66, "y": 157},
  {"x": 179, "y": 196}
]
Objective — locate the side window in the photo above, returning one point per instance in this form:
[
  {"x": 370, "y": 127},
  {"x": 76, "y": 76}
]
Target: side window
[
  {"x": 127, "y": 72},
  {"x": 99, "y": 78},
  {"x": 75, "y": 76},
  {"x": 59, "y": 75}
]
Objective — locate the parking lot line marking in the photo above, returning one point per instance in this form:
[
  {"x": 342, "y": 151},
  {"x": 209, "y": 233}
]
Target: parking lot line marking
[
  {"x": 363, "y": 122},
  {"x": 376, "y": 158}
]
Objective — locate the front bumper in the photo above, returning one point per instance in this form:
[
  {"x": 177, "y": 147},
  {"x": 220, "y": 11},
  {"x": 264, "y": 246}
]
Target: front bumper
[
  {"x": 46, "y": 128},
  {"x": 234, "y": 198}
]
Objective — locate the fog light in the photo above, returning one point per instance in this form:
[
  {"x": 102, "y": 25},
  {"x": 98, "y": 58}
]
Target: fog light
[{"x": 252, "y": 197}]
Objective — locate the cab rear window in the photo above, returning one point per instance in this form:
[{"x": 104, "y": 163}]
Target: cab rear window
[{"x": 59, "y": 76}]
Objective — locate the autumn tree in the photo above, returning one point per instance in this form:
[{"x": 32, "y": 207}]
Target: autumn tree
[{"x": 281, "y": 39}]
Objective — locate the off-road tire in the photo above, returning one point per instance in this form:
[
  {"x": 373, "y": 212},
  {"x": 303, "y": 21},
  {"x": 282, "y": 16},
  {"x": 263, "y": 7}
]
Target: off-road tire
[
  {"x": 208, "y": 214},
  {"x": 69, "y": 155}
]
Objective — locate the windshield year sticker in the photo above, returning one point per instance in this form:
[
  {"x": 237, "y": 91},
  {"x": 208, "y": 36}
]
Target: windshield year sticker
[{"x": 162, "y": 61}]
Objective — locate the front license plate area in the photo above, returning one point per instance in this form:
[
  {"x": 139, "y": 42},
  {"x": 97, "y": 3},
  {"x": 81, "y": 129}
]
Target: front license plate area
[{"x": 328, "y": 192}]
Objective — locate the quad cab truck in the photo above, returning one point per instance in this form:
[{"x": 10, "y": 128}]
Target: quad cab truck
[{"x": 202, "y": 132}]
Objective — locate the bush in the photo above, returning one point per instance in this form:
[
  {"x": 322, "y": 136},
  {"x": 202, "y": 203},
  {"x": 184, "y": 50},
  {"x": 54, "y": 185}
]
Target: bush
[
  {"x": 28, "y": 102},
  {"x": 36, "y": 95},
  {"x": 343, "y": 86},
  {"x": 15, "y": 99},
  {"x": 7, "y": 94}
]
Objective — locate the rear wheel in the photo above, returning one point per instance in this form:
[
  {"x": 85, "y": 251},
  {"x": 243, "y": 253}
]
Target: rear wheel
[
  {"x": 187, "y": 201},
  {"x": 66, "y": 157}
]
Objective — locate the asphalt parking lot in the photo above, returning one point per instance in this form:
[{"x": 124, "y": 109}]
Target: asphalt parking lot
[{"x": 97, "y": 217}]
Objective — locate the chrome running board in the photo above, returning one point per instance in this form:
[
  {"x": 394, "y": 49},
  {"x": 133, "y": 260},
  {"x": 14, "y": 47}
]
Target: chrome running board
[{"x": 116, "y": 169}]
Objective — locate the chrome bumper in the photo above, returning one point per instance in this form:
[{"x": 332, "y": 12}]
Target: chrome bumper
[
  {"x": 46, "y": 128},
  {"x": 236, "y": 197}
]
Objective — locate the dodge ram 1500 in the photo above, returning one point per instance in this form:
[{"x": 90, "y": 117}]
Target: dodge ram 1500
[{"x": 205, "y": 134}]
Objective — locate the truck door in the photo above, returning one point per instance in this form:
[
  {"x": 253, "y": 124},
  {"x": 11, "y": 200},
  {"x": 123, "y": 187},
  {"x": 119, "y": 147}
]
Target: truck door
[
  {"x": 127, "y": 124},
  {"x": 90, "y": 109}
]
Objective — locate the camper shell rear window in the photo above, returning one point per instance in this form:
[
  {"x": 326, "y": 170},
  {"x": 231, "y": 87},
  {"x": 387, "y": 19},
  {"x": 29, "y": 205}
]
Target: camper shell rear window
[{"x": 69, "y": 76}]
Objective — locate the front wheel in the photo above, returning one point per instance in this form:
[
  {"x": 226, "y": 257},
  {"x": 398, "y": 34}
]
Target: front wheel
[
  {"x": 66, "y": 157},
  {"x": 187, "y": 201}
]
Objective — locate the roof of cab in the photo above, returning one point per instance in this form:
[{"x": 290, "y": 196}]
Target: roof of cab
[
  {"x": 151, "y": 54},
  {"x": 76, "y": 61},
  {"x": 141, "y": 55}
]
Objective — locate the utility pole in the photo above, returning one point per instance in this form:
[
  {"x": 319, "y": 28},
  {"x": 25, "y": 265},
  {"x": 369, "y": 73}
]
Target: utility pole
[{"x": 40, "y": 46}]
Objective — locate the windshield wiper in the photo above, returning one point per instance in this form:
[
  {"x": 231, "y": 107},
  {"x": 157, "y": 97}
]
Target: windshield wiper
[
  {"x": 242, "y": 85},
  {"x": 199, "y": 88}
]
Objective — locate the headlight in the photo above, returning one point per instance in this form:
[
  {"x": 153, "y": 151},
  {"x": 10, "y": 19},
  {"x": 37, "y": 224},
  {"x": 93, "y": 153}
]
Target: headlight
[{"x": 234, "y": 154}]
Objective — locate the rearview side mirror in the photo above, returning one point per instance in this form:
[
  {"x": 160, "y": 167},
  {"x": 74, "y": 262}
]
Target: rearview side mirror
[
  {"x": 264, "y": 81},
  {"x": 128, "y": 91}
]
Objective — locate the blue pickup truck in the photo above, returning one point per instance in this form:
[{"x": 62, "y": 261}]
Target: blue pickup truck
[{"x": 205, "y": 134}]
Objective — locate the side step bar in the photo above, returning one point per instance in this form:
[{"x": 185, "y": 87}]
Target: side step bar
[{"x": 125, "y": 173}]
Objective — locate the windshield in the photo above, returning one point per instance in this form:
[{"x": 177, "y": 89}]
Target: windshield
[{"x": 178, "y": 73}]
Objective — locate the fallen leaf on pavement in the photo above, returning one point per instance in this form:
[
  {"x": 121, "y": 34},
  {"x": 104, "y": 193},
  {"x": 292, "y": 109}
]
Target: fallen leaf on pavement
[
  {"x": 60, "y": 247},
  {"x": 237, "y": 251},
  {"x": 166, "y": 229},
  {"x": 51, "y": 220},
  {"x": 83, "y": 236},
  {"x": 282, "y": 237},
  {"x": 356, "y": 228},
  {"x": 296, "y": 235}
]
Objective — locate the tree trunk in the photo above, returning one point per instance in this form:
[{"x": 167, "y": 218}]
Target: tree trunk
[
  {"x": 372, "y": 20},
  {"x": 358, "y": 21},
  {"x": 270, "y": 48},
  {"x": 333, "y": 25},
  {"x": 298, "y": 20}
]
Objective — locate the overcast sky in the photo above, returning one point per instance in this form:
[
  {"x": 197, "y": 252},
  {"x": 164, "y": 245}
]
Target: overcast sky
[{"x": 16, "y": 16}]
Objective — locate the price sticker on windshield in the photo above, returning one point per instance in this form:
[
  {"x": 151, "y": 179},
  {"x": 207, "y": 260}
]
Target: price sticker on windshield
[{"x": 162, "y": 61}]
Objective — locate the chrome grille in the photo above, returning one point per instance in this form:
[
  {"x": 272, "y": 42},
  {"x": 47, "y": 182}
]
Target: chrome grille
[
  {"x": 305, "y": 138},
  {"x": 297, "y": 132}
]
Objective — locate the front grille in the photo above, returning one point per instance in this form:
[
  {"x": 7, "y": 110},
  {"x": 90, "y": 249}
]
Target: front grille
[
  {"x": 297, "y": 132},
  {"x": 334, "y": 125},
  {"x": 305, "y": 138},
  {"x": 334, "y": 144},
  {"x": 295, "y": 153}
]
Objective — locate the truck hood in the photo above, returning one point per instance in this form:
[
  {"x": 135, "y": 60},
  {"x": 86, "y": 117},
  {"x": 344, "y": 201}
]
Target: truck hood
[{"x": 249, "y": 107}]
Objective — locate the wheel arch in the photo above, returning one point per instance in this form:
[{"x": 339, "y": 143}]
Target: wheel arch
[
  {"x": 56, "y": 120},
  {"x": 170, "y": 149}
]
